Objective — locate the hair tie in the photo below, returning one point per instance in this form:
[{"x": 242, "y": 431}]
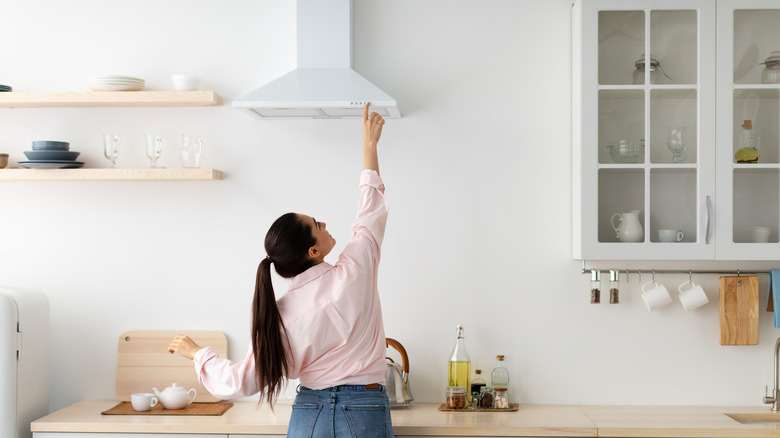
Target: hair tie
[{"x": 269, "y": 258}]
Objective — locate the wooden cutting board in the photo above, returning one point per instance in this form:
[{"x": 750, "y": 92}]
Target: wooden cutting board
[
  {"x": 739, "y": 310},
  {"x": 143, "y": 362}
]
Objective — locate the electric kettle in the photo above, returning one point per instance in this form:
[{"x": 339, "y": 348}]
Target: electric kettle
[{"x": 397, "y": 377}]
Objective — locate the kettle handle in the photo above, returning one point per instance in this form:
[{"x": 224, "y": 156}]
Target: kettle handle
[{"x": 390, "y": 342}]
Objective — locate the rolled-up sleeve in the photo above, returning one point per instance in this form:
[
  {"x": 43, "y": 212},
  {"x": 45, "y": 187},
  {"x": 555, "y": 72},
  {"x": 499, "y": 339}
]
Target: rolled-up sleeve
[
  {"x": 224, "y": 378},
  {"x": 368, "y": 228}
]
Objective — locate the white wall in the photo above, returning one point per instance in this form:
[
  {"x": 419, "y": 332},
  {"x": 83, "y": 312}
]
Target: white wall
[{"x": 477, "y": 172}]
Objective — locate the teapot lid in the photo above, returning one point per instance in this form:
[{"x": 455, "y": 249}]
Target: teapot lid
[
  {"x": 774, "y": 58},
  {"x": 641, "y": 61}
]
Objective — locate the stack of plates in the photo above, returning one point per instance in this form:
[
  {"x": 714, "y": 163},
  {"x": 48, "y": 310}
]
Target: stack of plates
[
  {"x": 115, "y": 83},
  {"x": 5, "y": 88},
  {"x": 51, "y": 155}
]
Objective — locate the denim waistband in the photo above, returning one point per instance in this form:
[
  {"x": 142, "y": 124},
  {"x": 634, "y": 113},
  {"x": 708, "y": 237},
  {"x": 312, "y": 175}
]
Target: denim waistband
[{"x": 370, "y": 387}]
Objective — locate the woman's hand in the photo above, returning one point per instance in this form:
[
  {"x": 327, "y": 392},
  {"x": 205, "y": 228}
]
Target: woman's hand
[
  {"x": 372, "y": 130},
  {"x": 184, "y": 346}
]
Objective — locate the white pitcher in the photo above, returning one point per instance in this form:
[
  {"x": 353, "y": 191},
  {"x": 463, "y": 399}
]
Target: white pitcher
[{"x": 630, "y": 230}]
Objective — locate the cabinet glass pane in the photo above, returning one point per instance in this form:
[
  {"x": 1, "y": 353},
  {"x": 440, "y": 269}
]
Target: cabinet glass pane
[
  {"x": 756, "y": 36},
  {"x": 621, "y": 43},
  {"x": 673, "y": 42},
  {"x": 756, "y": 203},
  {"x": 620, "y": 191},
  {"x": 621, "y": 126},
  {"x": 673, "y": 130},
  {"x": 762, "y": 108},
  {"x": 673, "y": 202}
]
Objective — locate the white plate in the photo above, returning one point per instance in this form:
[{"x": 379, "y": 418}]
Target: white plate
[
  {"x": 113, "y": 77},
  {"x": 116, "y": 87}
]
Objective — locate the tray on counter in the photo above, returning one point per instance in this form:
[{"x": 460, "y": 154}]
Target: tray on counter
[
  {"x": 513, "y": 407},
  {"x": 126, "y": 408}
]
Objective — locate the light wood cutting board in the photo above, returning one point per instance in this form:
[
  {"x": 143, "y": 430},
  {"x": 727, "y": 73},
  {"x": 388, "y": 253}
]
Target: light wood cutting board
[
  {"x": 143, "y": 362},
  {"x": 739, "y": 310}
]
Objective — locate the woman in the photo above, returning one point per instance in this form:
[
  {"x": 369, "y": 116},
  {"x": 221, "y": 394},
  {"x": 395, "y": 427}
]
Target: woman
[{"x": 326, "y": 330}]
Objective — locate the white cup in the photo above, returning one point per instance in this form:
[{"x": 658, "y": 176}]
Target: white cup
[
  {"x": 655, "y": 295},
  {"x": 692, "y": 295},
  {"x": 670, "y": 235},
  {"x": 143, "y": 401},
  {"x": 185, "y": 83},
  {"x": 760, "y": 234}
]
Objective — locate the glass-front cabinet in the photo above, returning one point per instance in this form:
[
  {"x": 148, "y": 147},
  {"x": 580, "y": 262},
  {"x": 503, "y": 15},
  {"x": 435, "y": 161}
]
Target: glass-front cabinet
[
  {"x": 643, "y": 137},
  {"x": 748, "y": 128},
  {"x": 662, "y": 169}
]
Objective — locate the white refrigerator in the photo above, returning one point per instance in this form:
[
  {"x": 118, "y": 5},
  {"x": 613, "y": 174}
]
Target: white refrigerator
[{"x": 24, "y": 360}]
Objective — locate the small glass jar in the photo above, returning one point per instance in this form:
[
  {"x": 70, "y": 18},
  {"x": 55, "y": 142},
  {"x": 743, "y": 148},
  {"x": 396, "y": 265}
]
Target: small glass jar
[
  {"x": 486, "y": 397},
  {"x": 456, "y": 397},
  {"x": 771, "y": 72},
  {"x": 595, "y": 286},
  {"x": 614, "y": 286},
  {"x": 477, "y": 382},
  {"x": 501, "y": 400}
]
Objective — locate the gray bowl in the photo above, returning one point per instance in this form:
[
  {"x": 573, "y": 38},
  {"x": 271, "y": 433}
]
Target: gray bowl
[
  {"x": 51, "y": 155},
  {"x": 47, "y": 145}
]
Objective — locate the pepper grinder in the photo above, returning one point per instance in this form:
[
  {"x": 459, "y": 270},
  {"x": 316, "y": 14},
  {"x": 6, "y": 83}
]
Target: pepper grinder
[{"x": 614, "y": 286}]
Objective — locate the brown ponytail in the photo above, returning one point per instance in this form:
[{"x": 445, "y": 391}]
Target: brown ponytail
[{"x": 287, "y": 243}]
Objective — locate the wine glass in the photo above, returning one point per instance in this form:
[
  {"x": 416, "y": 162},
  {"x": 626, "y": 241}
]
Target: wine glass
[
  {"x": 154, "y": 144},
  {"x": 111, "y": 148},
  {"x": 674, "y": 142},
  {"x": 191, "y": 148}
]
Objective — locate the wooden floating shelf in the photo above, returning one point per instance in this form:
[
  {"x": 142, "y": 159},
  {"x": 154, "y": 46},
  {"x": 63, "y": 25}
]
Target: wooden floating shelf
[
  {"x": 25, "y": 99},
  {"x": 106, "y": 174}
]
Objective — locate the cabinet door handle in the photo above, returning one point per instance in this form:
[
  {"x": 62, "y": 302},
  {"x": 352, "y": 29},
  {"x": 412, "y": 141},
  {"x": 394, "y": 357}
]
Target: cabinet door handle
[{"x": 708, "y": 203}]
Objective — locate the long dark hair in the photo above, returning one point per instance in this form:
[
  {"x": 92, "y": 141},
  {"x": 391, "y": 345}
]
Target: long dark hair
[{"x": 287, "y": 244}]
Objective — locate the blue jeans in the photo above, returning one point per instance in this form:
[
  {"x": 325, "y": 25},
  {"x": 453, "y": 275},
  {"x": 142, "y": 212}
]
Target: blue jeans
[{"x": 341, "y": 411}]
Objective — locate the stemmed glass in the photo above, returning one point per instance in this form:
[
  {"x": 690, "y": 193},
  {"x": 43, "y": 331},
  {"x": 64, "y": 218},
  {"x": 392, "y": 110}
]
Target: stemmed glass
[
  {"x": 154, "y": 146},
  {"x": 111, "y": 148},
  {"x": 674, "y": 142}
]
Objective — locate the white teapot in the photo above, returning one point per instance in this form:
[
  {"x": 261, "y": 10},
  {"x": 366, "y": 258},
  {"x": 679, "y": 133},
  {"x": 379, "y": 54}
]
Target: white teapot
[{"x": 175, "y": 397}]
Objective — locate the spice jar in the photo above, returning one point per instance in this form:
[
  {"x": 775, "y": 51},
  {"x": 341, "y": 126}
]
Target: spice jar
[
  {"x": 501, "y": 400},
  {"x": 614, "y": 286},
  {"x": 771, "y": 72},
  {"x": 486, "y": 397},
  {"x": 456, "y": 397},
  {"x": 595, "y": 286}
]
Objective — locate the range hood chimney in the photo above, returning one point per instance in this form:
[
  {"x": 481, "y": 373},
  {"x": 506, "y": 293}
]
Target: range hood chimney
[{"x": 324, "y": 84}]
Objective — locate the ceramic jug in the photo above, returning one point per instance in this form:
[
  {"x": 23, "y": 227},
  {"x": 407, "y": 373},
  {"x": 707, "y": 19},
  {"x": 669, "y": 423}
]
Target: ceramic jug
[{"x": 629, "y": 230}]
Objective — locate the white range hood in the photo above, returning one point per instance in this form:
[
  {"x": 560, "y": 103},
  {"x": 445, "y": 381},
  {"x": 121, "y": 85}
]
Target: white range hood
[{"x": 324, "y": 84}]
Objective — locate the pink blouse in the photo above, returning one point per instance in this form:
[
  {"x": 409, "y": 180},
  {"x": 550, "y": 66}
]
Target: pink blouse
[{"x": 331, "y": 314}]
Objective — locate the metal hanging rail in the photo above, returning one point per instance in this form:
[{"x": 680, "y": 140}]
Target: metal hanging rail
[{"x": 737, "y": 272}]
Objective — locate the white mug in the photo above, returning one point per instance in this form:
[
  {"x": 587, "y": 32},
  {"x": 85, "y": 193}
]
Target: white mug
[
  {"x": 669, "y": 235},
  {"x": 143, "y": 401},
  {"x": 692, "y": 296},
  {"x": 655, "y": 296},
  {"x": 760, "y": 234}
]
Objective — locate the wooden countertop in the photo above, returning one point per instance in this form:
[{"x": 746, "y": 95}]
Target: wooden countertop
[{"x": 425, "y": 419}]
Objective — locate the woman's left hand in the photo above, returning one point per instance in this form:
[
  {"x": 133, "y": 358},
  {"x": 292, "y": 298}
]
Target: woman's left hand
[{"x": 184, "y": 346}]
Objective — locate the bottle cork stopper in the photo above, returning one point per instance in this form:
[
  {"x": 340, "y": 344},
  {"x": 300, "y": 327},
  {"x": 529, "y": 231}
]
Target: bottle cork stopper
[
  {"x": 500, "y": 357},
  {"x": 748, "y": 124}
]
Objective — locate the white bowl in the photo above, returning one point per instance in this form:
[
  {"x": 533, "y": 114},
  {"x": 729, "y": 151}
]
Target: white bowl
[{"x": 185, "y": 83}]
